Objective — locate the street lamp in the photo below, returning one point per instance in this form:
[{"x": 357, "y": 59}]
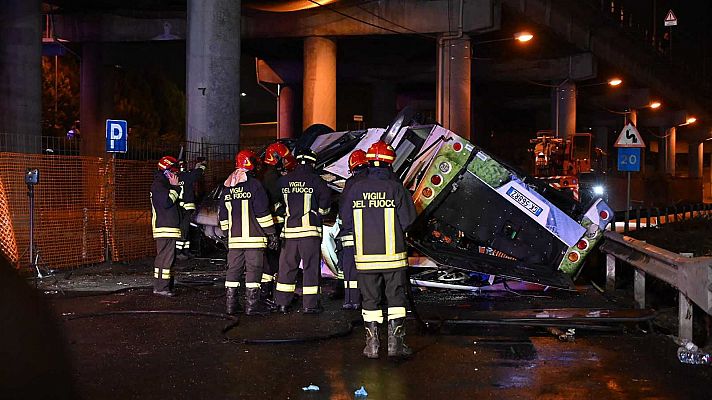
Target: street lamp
[
  {"x": 654, "y": 105},
  {"x": 523, "y": 36},
  {"x": 690, "y": 120},
  {"x": 614, "y": 81}
]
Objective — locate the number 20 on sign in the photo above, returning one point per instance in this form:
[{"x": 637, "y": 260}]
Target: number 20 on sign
[{"x": 628, "y": 159}]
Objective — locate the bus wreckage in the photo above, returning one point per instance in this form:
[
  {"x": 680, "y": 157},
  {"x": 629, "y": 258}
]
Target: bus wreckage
[{"x": 477, "y": 217}]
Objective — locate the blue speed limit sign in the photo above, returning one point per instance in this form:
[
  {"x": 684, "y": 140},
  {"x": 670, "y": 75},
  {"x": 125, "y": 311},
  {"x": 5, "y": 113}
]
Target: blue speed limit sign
[{"x": 628, "y": 159}]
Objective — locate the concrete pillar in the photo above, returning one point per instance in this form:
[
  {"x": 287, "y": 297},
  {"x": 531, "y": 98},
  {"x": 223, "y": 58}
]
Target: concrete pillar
[
  {"x": 383, "y": 104},
  {"x": 670, "y": 147},
  {"x": 93, "y": 130},
  {"x": 20, "y": 74},
  {"x": 632, "y": 117},
  {"x": 454, "y": 85},
  {"x": 564, "y": 109},
  {"x": 695, "y": 159},
  {"x": 286, "y": 113},
  {"x": 662, "y": 151},
  {"x": 319, "y": 103},
  {"x": 213, "y": 74}
]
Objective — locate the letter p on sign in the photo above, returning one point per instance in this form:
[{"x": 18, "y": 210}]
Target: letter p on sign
[{"x": 116, "y": 136}]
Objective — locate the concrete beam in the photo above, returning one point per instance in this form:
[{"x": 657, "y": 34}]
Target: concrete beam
[
  {"x": 115, "y": 28},
  {"x": 577, "y": 67},
  {"x": 424, "y": 17}
]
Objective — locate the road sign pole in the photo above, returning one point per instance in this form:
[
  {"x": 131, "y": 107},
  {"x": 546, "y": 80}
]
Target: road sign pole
[{"x": 627, "y": 206}]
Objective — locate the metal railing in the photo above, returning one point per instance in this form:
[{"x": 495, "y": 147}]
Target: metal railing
[
  {"x": 653, "y": 216},
  {"x": 692, "y": 277}
]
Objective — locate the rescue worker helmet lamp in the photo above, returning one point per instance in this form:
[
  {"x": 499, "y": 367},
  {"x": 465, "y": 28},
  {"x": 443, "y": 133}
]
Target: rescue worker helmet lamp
[
  {"x": 306, "y": 156},
  {"x": 381, "y": 153},
  {"x": 246, "y": 159}
]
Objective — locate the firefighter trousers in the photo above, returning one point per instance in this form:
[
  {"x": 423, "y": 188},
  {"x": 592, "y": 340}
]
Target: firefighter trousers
[
  {"x": 372, "y": 285},
  {"x": 271, "y": 262},
  {"x": 307, "y": 250},
  {"x": 352, "y": 294},
  {"x": 244, "y": 261},
  {"x": 165, "y": 255},
  {"x": 184, "y": 242}
]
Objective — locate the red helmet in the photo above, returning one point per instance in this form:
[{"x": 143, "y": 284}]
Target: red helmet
[
  {"x": 246, "y": 159},
  {"x": 289, "y": 162},
  {"x": 380, "y": 151},
  {"x": 168, "y": 163},
  {"x": 276, "y": 152},
  {"x": 357, "y": 159}
]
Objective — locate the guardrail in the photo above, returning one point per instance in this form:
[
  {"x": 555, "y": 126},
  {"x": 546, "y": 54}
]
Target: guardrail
[
  {"x": 692, "y": 277},
  {"x": 653, "y": 216}
]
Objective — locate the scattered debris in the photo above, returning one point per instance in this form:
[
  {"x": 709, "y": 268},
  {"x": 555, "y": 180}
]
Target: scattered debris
[
  {"x": 311, "y": 388},
  {"x": 689, "y": 353},
  {"x": 565, "y": 336},
  {"x": 361, "y": 392}
]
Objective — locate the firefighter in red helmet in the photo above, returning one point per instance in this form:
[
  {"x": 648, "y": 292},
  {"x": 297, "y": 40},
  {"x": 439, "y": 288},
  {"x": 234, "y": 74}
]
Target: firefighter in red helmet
[
  {"x": 307, "y": 199},
  {"x": 244, "y": 214},
  {"x": 381, "y": 212},
  {"x": 165, "y": 223},
  {"x": 278, "y": 161},
  {"x": 352, "y": 296}
]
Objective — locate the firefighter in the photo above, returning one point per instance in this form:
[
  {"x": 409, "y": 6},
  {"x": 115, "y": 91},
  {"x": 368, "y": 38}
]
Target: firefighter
[
  {"x": 278, "y": 160},
  {"x": 307, "y": 199},
  {"x": 352, "y": 296},
  {"x": 244, "y": 215},
  {"x": 165, "y": 223},
  {"x": 186, "y": 196},
  {"x": 381, "y": 212}
]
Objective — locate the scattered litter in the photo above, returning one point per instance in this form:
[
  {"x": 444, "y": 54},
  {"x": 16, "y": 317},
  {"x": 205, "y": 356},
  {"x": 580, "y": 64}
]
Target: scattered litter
[
  {"x": 361, "y": 392},
  {"x": 311, "y": 388},
  {"x": 565, "y": 336},
  {"x": 689, "y": 353}
]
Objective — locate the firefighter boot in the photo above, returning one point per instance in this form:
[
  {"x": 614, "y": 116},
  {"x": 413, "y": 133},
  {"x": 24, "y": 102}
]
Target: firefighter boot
[
  {"x": 372, "y": 343},
  {"x": 232, "y": 302},
  {"x": 254, "y": 305},
  {"x": 266, "y": 291},
  {"x": 396, "y": 338}
]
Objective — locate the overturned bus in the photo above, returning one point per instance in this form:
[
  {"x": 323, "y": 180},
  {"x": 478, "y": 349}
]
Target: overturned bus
[{"x": 477, "y": 217}]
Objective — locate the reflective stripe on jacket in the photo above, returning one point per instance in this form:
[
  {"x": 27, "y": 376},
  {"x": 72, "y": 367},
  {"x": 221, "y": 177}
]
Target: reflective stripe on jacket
[
  {"x": 381, "y": 212},
  {"x": 244, "y": 215},
  {"x": 165, "y": 222},
  {"x": 307, "y": 199}
]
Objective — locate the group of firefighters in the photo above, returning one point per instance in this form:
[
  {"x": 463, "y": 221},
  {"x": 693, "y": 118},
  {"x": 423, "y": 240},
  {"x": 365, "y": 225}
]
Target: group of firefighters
[{"x": 274, "y": 223}]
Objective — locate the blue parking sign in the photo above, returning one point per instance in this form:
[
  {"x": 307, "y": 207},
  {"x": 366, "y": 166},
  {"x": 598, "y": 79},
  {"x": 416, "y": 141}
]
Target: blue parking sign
[
  {"x": 117, "y": 133},
  {"x": 628, "y": 159}
]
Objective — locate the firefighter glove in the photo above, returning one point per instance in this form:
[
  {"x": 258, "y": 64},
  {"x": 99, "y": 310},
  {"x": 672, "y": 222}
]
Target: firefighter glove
[{"x": 272, "y": 242}]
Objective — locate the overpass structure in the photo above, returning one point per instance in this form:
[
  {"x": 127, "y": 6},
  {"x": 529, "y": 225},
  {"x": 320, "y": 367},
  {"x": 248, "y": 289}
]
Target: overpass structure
[{"x": 454, "y": 59}]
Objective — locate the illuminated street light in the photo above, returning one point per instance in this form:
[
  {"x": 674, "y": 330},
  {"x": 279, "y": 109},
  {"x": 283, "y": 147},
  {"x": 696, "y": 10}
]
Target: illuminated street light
[
  {"x": 523, "y": 37},
  {"x": 691, "y": 120},
  {"x": 655, "y": 105},
  {"x": 614, "y": 81}
]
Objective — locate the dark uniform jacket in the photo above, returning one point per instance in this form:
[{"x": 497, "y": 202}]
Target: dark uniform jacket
[
  {"x": 270, "y": 180},
  {"x": 381, "y": 211},
  {"x": 244, "y": 215},
  {"x": 165, "y": 221},
  {"x": 186, "y": 182},
  {"x": 347, "y": 237},
  {"x": 307, "y": 199}
]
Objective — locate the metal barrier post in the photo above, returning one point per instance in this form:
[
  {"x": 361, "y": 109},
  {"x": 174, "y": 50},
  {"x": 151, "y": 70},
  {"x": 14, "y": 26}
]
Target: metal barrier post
[
  {"x": 639, "y": 288},
  {"x": 685, "y": 317},
  {"x": 674, "y": 213},
  {"x": 610, "y": 273},
  {"x": 637, "y": 218}
]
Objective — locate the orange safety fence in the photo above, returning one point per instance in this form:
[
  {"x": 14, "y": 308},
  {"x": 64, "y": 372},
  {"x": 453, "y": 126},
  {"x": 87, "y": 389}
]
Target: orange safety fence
[
  {"x": 69, "y": 225},
  {"x": 82, "y": 205}
]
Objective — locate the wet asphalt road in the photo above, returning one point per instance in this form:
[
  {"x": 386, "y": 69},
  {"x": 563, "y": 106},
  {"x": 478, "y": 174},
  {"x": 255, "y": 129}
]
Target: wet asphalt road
[{"x": 187, "y": 357}]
